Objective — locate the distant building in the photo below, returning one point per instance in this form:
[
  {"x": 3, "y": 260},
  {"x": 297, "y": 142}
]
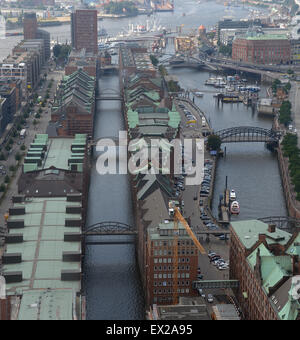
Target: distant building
[
  {"x": 295, "y": 51},
  {"x": 224, "y": 312},
  {"x": 236, "y": 24},
  {"x": 74, "y": 108},
  {"x": 10, "y": 94},
  {"x": 31, "y": 31},
  {"x": 193, "y": 308},
  {"x": 266, "y": 262},
  {"x": 84, "y": 30},
  {"x": 82, "y": 60},
  {"x": 38, "y": 3},
  {"x": 262, "y": 49},
  {"x": 30, "y": 26},
  {"x": 135, "y": 59}
]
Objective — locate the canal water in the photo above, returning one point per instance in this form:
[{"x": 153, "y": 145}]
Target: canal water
[
  {"x": 112, "y": 283},
  {"x": 252, "y": 170}
]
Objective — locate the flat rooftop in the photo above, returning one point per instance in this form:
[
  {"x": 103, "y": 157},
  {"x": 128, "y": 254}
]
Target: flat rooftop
[
  {"x": 43, "y": 244},
  {"x": 47, "y": 305},
  {"x": 58, "y": 153}
]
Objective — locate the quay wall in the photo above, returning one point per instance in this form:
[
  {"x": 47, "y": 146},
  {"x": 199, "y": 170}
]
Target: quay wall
[{"x": 290, "y": 199}]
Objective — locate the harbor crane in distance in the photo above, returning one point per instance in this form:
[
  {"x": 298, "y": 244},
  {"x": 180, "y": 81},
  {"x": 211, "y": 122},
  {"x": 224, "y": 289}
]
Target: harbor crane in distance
[{"x": 176, "y": 214}]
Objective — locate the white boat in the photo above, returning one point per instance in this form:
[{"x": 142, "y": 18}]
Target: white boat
[
  {"x": 235, "y": 208},
  {"x": 210, "y": 81},
  {"x": 232, "y": 195},
  {"x": 199, "y": 94}
]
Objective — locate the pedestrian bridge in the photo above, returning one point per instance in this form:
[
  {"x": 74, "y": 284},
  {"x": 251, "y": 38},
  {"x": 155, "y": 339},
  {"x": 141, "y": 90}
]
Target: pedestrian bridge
[
  {"x": 109, "y": 94},
  {"x": 282, "y": 222},
  {"x": 248, "y": 134},
  {"x": 109, "y": 228},
  {"x": 215, "y": 284}
]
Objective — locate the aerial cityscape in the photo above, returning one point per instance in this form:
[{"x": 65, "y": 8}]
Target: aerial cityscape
[{"x": 149, "y": 161}]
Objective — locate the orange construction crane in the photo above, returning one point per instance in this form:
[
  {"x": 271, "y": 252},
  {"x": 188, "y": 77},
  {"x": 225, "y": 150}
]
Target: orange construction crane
[{"x": 175, "y": 212}]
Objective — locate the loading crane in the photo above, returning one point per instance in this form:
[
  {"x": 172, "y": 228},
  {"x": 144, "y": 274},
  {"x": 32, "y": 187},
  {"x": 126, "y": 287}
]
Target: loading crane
[{"x": 176, "y": 214}]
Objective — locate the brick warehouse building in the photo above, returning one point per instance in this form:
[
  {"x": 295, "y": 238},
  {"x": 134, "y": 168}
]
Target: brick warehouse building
[
  {"x": 262, "y": 49},
  {"x": 160, "y": 261},
  {"x": 265, "y": 260},
  {"x": 84, "y": 30}
]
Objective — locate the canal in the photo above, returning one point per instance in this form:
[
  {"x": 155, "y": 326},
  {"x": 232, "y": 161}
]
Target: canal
[
  {"x": 112, "y": 282},
  {"x": 252, "y": 170}
]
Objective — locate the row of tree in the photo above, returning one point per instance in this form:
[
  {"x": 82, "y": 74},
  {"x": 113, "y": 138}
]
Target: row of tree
[
  {"x": 291, "y": 150},
  {"x": 285, "y": 114}
]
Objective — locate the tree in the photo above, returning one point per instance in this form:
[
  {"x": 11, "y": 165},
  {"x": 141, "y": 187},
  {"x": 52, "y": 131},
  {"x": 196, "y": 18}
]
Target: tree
[
  {"x": 214, "y": 142},
  {"x": 23, "y": 147},
  {"x": 6, "y": 179},
  {"x": 12, "y": 168},
  {"x": 154, "y": 60},
  {"x": 18, "y": 157},
  {"x": 2, "y": 187}
]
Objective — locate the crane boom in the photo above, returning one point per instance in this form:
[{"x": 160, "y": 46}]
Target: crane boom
[
  {"x": 180, "y": 218},
  {"x": 175, "y": 212}
]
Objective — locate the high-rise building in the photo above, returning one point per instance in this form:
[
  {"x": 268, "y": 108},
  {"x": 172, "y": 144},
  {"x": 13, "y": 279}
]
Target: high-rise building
[
  {"x": 30, "y": 26},
  {"x": 31, "y": 31},
  {"x": 84, "y": 30}
]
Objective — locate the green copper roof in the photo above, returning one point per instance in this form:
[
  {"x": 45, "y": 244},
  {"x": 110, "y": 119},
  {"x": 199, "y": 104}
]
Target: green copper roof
[
  {"x": 248, "y": 232},
  {"x": 47, "y": 305}
]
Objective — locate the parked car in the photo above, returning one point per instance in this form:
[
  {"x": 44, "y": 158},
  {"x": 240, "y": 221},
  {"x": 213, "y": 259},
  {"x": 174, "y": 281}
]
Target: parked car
[{"x": 210, "y": 298}]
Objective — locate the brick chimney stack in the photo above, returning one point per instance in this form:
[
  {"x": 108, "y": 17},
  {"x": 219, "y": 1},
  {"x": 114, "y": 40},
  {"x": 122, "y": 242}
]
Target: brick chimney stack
[{"x": 272, "y": 228}]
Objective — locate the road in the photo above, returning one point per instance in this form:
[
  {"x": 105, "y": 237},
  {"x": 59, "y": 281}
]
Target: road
[
  {"x": 31, "y": 132},
  {"x": 191, "y": 212},
  {"x": 294, "y": 98}
]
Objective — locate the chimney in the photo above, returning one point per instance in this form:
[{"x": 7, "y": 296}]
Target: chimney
[
  {"x": 272, "y": 228},
  {"x": 4, "y": 301},
  {"x": 296, "y": 265}
]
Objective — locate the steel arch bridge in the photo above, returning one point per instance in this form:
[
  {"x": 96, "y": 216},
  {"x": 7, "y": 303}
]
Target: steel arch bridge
[
  {"x": 282, "y": 222},
  {"x": 109, "y": 228},
  {"x": 248, "y": 134},
  {"x": 109, "y": 94}
]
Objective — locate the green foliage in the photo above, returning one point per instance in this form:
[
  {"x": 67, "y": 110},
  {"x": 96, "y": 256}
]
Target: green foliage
[
  {"x": 124, "y": 7},
  {"x": 275, "y": 85},
  {"x": 6, "y": 179},
  {"x": 214, "y": 142},
  {"x": 2, "y": 187},
  {"x": 291, "y": 150},
  {"x": 154, "y": 60},
  {"x": 173, "y": 86},
  {"x": 226, "y": 50},
  {"x": 285, "y": 116},
  {"x": 61, "y": 52},
  {"x": 162, "y": 70}
]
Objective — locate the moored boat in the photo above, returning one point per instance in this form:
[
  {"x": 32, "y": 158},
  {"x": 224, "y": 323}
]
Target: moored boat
[{"x": 235, "y": 208}]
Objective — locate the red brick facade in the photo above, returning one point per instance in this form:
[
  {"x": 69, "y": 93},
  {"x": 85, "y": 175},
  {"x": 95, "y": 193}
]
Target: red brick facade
[
  {"x": 85, "y": 30},
  {"x": 159, "y": 259},
  {"x": 257, "y": 305},
  {"x": 277, "y": 51}
]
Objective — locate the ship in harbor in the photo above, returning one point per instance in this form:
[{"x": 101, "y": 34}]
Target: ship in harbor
[{"x": 235, "y": 208}]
